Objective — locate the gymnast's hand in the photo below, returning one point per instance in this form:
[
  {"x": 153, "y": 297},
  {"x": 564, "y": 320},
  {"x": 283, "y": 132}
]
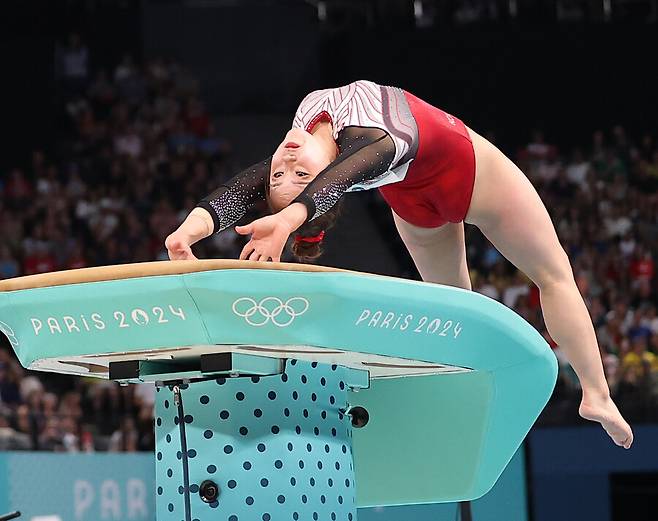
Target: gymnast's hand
[
  {"x": 268, "y": 238},
  {"x": 179, "y": 247},
  {"x": 269, "y": 234}
]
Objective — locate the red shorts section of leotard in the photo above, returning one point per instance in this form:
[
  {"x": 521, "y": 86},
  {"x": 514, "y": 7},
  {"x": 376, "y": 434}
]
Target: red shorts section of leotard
[{"x": 439, "y": 183}]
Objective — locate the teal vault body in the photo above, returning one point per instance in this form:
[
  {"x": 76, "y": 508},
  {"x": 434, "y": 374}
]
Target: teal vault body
[{"x": 451, "y": 379}]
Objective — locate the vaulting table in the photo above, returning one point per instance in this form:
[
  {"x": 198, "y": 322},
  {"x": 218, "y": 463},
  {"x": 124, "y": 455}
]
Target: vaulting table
[{"x": 295, "y": 392}]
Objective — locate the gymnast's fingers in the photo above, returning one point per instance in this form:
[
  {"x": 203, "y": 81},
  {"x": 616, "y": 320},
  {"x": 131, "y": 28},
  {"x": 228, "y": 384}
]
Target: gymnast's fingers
[
  {"x": 245, "y": 230},
  {"x": 178, "y": 255},
  {"x": 248, "y": 248},
  {"x": 186, "y": 253},
  {"x": 254, "y": 255}
]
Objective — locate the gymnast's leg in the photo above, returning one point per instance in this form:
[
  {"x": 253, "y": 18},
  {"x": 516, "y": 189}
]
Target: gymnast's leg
[
  {"x": 438, "y": 253},
  {"x": 510, "y": 213}
]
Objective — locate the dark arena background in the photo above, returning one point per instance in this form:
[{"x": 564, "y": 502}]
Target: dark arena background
[{"x": 118, "y": 116}]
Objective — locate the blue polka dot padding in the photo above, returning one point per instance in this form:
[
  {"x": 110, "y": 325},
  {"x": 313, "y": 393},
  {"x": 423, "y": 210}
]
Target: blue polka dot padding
[{"x": 279, "y": 447}]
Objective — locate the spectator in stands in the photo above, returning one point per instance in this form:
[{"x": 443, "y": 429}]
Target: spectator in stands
[
  {"x": 578, "y": 170},
  {"x": 50, "y": 438},
  {"x": 637, "y": 364},
  {"x": 26, "y": 424},
  {"x": 126, "y": 438},
  {"x": 69, "y": 429},
  {"x": 561, "y": 187},
  {"x": 642, "y": 268},
  {"x": 9, "y": 393},
  {"x": 611, "y": 369},
  {"x": 41, "y": 260},
  {"x": 653, "y": 349},
  {"x": 130, "y": 81},
  {"x": 517, "y": 287},
  {"x": 638, "y": 328},
  {"x": 102, "y": 94},
  {"x": 17, "y": 190},
  {"x": 485, "y": 286},
  {"x": 72, "y": 62},
  {"x": 650, "y": 319},
  {"x": 10, "y": 439}
]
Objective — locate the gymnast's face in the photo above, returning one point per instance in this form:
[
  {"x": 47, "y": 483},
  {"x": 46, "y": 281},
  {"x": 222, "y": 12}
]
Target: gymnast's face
[{"x": 299, "y": 158}]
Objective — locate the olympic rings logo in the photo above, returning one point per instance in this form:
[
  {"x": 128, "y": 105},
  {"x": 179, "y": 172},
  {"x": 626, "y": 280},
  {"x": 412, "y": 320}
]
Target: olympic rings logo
[
  {"x": 9, "y": 333},
  {"x": 270, "y": 309}
]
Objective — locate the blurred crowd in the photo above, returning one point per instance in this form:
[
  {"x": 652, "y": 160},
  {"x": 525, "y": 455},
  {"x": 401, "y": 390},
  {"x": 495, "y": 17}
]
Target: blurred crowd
[
  {"x": 137, "y": 149},
  {"x": 40, "y": 411}
]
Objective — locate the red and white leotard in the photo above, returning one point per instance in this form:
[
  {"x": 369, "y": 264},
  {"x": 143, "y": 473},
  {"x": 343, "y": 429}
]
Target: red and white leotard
[{"x": 420, "y": 157}]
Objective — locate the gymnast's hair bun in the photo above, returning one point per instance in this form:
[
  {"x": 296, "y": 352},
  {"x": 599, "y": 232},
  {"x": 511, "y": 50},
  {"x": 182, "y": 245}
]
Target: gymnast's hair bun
[{"x": 307, "y": 245}]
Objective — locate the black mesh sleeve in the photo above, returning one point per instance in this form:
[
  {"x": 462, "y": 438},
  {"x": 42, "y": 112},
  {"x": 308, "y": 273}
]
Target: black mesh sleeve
[
  {"x": 365, "y": 154},
  {"x": 230, "y": 201}
]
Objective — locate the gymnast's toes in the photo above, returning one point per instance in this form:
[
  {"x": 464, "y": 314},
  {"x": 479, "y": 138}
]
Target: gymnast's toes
[{"x": 606, "y": 413}]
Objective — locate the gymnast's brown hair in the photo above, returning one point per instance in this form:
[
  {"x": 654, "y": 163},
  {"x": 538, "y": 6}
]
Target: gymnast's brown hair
[{"x": 306, "y": 251}]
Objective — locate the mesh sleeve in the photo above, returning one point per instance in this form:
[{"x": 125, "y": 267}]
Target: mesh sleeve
[
  {"x": 365, "y": 154},
  {"x": 230, "y": 201}
]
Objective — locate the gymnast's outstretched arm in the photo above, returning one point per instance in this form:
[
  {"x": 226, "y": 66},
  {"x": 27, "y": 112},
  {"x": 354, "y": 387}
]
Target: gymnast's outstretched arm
[
  {"x": 229, "y": 202},
  {"x": 219, "y": 210}
]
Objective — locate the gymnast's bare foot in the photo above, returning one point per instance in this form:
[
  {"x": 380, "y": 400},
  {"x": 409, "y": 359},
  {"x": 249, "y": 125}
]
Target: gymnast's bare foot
[{"x": 604, "y": 411}]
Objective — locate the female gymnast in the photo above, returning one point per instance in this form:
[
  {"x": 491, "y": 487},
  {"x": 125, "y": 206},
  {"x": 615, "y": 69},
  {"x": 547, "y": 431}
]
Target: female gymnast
[{"x": 436, "y": 174}]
